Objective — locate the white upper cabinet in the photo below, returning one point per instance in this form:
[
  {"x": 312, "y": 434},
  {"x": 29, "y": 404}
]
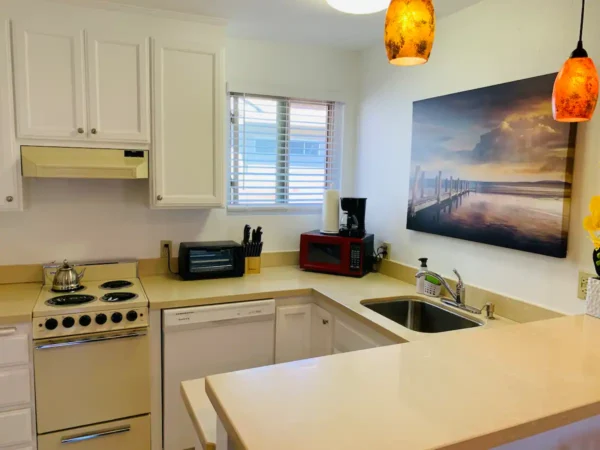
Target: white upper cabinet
[
  {"x": 10, "y": 177},
  {"x": 49, "y": 79},
  {"x": 119, "y": 82},
  {"x": 189, "y": 101},
  {"x": 54, "y": 99}
]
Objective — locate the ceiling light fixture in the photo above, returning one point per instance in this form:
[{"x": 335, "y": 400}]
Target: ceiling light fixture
[
  {"x": 576, "y": 88},
  {"x": 409, "y": 32},
  {"x": 359, "y": 6}
]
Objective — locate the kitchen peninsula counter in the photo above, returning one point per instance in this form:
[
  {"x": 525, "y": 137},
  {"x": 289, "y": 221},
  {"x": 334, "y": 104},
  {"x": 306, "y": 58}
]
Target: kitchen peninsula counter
[{"x": 473, "y": 390}]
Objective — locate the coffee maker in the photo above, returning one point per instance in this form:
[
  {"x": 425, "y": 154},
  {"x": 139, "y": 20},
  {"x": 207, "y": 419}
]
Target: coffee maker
[{"x": 356, "y": 209}]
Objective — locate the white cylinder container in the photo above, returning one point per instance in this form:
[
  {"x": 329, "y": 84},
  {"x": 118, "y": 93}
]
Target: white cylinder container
[
  {"x": 331, "y": 212},
  {"x": 593, "y": 297}
]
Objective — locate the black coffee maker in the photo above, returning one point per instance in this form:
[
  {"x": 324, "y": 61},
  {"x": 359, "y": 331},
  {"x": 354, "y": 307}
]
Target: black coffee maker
[{"x": 356, "y": 209}]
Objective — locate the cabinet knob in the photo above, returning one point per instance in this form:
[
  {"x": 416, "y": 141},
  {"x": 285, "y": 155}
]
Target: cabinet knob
[
  {"x": 159, "y": 198},
  {"x": 80, "y": 130},
  {"x": 94, "y": 131},
  {"x": 9, "y": 199},
  {"x": 325, "y": 321}
]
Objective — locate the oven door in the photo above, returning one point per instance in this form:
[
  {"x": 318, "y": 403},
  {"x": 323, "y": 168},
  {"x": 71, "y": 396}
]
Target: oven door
[
  {"x": 126, "y": 434},
  {"x": 326, "y": 254},
  {"x": 84, "y": 380}
]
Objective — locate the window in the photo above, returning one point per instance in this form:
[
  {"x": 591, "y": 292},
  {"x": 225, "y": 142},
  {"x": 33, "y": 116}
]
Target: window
[{"x": 284, "y": 152}]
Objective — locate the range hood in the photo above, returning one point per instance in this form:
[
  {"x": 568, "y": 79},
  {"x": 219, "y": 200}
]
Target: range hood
[{"x": 60, "y": 162}]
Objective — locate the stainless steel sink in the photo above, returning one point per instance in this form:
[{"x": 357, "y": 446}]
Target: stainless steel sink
[{"x": 422, "y": 316}]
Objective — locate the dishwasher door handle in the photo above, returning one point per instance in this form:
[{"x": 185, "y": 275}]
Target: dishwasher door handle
[{"x": 97, "y": 434}]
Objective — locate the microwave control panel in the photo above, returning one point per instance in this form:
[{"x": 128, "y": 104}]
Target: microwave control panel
[{"x": 355, "y": 250}]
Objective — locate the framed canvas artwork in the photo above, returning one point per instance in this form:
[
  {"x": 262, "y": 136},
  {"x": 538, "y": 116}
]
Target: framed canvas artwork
[{"x": 492, "y": 166}]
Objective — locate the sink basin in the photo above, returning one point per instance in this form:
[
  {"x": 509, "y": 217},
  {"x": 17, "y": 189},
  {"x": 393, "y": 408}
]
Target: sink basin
[{"x": 422, "y": 316}]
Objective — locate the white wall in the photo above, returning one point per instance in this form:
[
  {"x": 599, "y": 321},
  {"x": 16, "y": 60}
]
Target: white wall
[
  {"x": 98, "y": 219},
  {"x": 489, "y": 43}
]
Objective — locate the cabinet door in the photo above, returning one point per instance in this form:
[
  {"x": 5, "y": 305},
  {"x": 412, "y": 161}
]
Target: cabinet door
[
  {"x": 49, "y": 79},
  {"x": 189, "y": 98},
  {"x": 321, "y": 335},
  {"x": 15, "y": 427},
  {"x": 292, "y": 333},
  {"x": 118, "y": 70},
  {"x": 10, "y": 173},
  {"x": 348, "y": 339}
]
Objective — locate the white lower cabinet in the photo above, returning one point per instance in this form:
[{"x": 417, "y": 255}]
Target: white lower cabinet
[
  {"x": 321, "y": 336},
  {"x": 293, "y": 333},
  {"x": 349, "y": 336},
  {"x": 309, "y": 331},
  {"x": 17, "y": 429}
]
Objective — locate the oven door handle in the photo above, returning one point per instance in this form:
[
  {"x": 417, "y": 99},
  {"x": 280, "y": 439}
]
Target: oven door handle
[
  {"x": 98, "y": 434},
  {"x": 90, "y": 340}
]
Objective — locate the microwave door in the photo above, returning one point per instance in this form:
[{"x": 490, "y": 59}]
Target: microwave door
[{"x": 324, "y": 254}]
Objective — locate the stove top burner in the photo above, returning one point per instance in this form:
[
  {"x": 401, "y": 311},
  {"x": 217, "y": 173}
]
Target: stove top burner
[
  {"x": 70, "y": 300},
  {"x": 77, "y": 289},
  {"x": 116, "y": 284},
  {"x": 115, "y": 297}
]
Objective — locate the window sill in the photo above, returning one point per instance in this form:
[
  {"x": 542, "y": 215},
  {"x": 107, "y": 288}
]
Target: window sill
[{"x": 242, "y": 210}]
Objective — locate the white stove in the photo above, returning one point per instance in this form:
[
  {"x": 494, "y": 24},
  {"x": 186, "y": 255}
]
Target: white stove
[{"x": 111, "y": 298}]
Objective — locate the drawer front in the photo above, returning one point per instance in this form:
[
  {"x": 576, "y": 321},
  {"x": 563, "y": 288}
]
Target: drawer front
[
  {"x": 15, "y": 427},
  {"x": 127, "y": 434},
  {"x": 14, "y": 347},
  {"x": 14, "y": 387}
]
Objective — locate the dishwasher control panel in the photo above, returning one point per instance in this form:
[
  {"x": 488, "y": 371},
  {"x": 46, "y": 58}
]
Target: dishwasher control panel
[{"x": 219, "y": 313}]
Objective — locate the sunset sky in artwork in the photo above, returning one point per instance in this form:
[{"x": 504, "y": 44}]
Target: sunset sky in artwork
[{"x": 503, "y": 133}]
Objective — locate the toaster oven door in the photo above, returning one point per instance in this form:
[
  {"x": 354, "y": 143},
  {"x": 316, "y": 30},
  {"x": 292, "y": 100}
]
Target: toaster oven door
[{"x": 204, "y": 261}]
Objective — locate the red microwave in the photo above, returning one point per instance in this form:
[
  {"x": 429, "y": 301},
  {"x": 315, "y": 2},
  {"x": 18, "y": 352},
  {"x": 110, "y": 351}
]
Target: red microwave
[{"x": 339, "y": 255}]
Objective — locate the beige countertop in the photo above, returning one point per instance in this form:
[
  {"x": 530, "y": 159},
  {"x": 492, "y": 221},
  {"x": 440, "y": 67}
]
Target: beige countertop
[
  {"x": 165, "y": 291},
  {"x": 17, "y": 301},
  {"x": 460, "y": 390}
]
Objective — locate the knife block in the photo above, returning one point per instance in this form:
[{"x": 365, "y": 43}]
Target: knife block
[{"x": 253, "y": 265}]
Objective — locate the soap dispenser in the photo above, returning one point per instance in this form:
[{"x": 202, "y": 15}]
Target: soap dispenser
[{"x": 421, "y": 280}]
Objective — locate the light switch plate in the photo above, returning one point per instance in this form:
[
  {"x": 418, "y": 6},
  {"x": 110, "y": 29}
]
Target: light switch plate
[{"x": 583, "y": 284}]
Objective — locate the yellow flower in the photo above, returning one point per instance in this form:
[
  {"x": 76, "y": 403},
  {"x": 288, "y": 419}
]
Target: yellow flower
[
  {"x": 595, "y": 205},
  {"x": 596, "y": 242}
]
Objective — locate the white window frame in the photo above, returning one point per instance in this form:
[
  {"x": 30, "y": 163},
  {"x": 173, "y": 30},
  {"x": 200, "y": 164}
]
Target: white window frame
[{"x": 286, "y": 208}]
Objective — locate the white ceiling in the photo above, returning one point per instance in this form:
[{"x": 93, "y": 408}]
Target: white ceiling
[{"x": 303, "y": 21}]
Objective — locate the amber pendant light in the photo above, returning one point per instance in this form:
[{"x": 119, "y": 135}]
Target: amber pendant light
[
  {"x": 409, "y": 31},
  {"x": 576, "y": 88}
]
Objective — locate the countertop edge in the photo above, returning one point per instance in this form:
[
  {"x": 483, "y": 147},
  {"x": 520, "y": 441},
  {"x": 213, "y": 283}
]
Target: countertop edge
[{"x": 223, "y": 417}]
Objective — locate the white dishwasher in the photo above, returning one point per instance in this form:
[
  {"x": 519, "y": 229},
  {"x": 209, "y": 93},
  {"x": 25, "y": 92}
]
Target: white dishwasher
[{"x": 208, "y": 340}]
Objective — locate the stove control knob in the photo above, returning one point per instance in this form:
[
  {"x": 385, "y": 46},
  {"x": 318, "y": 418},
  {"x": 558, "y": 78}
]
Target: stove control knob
[
  {"x": 101, "y": 319},
  {"x": 51, "y": 324},
  {"x": 132, "y": 316},
  {"x": 116, "y": 317},
  {"x": 68, "y": 322},
  {"x": 84, "y": 321}
]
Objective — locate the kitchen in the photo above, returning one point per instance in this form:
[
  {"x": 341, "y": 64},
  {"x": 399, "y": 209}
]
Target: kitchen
[{"x": 51, "y": 218}]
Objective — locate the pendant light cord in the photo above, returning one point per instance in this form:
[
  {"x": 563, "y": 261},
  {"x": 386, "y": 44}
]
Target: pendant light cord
[{"x": 581, "y": 26}]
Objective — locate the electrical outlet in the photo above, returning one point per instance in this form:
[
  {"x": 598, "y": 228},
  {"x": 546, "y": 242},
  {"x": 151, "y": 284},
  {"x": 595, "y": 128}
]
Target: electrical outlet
[
  {"x": 163, "y": 249},
  {"x": 583, "y": 284},
  {"x": 388, "y": 249}
]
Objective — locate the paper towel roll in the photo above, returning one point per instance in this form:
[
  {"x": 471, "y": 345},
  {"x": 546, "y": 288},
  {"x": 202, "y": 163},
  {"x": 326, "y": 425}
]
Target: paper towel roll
[{"x": 331, "y": 212}]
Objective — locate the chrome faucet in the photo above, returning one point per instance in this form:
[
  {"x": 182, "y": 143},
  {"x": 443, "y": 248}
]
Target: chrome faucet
[{"x": 459, "y": 296}]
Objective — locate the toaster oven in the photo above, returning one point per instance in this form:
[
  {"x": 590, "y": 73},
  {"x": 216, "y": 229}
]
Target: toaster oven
[{"x": 206, "y": 260}]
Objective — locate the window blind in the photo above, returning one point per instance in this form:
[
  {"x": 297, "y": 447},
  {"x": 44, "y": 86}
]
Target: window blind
[{"x": 284, "y": 151}]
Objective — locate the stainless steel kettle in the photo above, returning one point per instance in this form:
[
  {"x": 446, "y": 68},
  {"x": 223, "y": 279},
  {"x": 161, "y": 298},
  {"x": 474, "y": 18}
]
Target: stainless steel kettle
[{"x": 66, "y": 278}]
